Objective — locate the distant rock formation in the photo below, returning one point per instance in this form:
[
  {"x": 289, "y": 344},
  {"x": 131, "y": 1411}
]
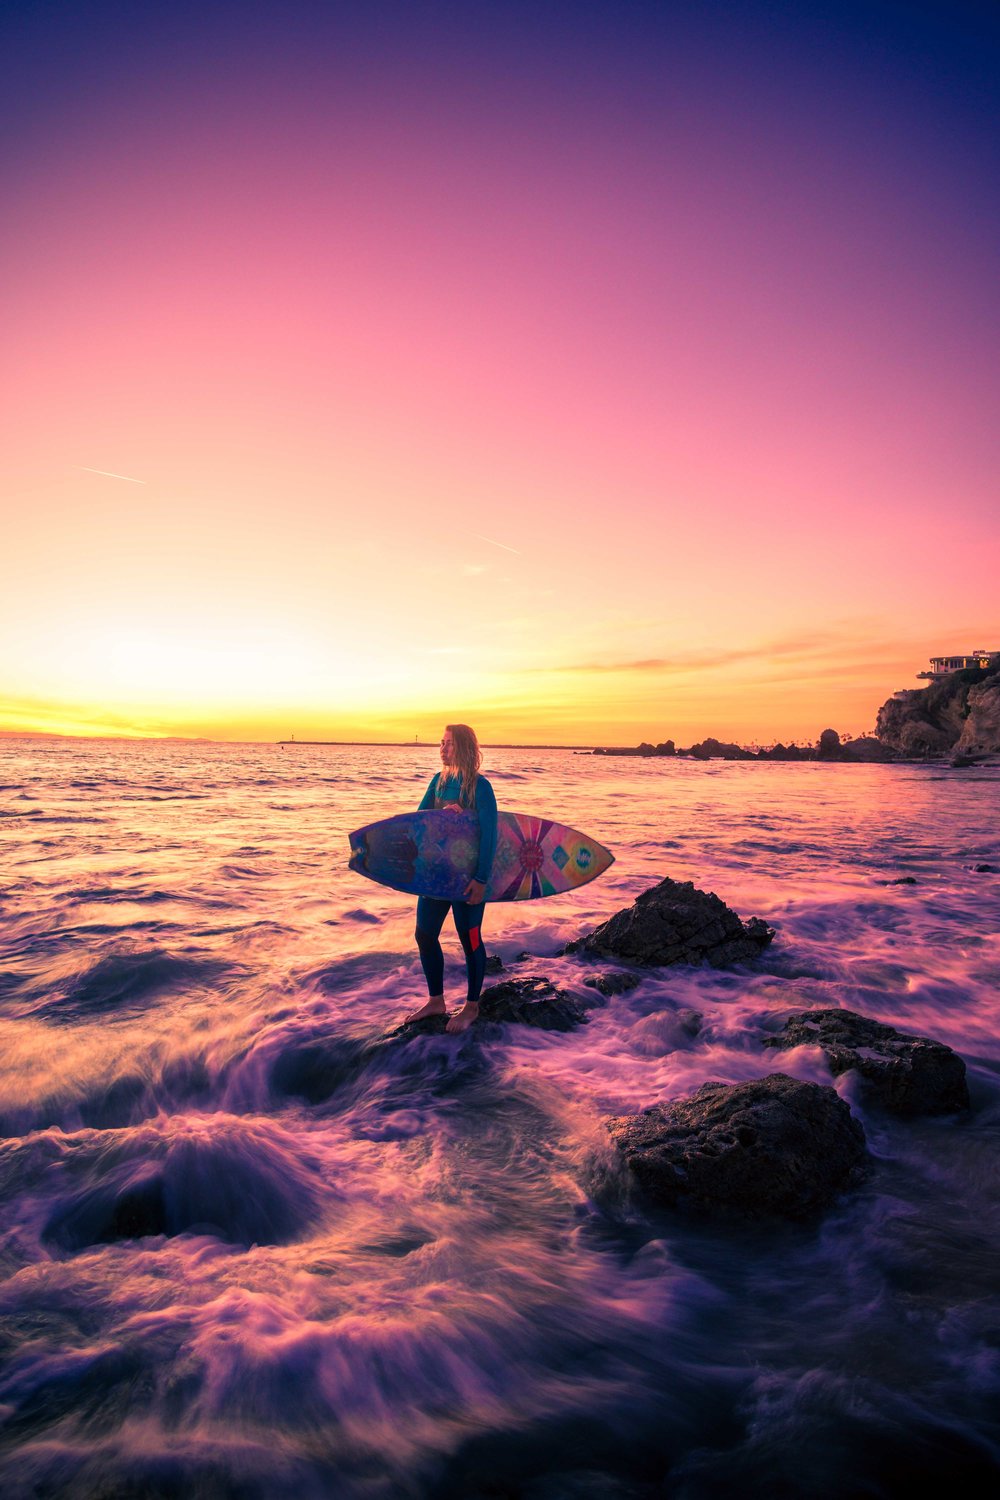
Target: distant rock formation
[
  {"x": 958, "y": 712},
  {"x": 773, "y": 1146},
  {"x": 675, "y": 923},
  {"x": 865, "y": 748},
  {"x": 909, "y": 1075},
  {"x": 665, "y": 748},
  {"x": 712, "y": 749}
]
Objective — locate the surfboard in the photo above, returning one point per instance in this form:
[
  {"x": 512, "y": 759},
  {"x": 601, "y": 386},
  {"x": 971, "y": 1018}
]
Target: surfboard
[{"x": 434, "y": 853}]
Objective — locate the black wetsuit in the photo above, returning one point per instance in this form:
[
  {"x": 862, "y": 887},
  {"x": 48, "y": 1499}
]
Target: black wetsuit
[{"x": 468, "y": 918}]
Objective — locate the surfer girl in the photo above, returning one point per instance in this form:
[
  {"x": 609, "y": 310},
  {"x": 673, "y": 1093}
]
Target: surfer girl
[{"x": 457, "y": 786}]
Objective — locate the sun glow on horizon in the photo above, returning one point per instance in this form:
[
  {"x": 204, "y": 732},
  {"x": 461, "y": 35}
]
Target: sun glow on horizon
[{"x": 644, "y": 401}]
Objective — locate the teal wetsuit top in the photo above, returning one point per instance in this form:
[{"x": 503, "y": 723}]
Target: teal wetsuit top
[{"x": 442, "y": 794}]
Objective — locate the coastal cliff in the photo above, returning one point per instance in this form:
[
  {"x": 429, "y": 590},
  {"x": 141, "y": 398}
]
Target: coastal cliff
[
  {"x": 960, "y": 713},
  {"x": 957, "y": 714}
]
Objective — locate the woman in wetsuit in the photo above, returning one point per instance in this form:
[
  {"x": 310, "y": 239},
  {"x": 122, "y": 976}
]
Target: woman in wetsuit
[{"x": 457, "y": 786}]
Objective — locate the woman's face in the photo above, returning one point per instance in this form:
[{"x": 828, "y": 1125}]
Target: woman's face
[{"x": 447, "y": 749}]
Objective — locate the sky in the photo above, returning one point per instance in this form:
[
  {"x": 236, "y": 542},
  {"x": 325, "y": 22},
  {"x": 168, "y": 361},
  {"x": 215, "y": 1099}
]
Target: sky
[{"x": 590, "y": 373}]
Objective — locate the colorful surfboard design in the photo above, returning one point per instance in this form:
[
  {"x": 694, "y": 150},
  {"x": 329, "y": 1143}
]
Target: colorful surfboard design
[{"x": 434, "y": 854}]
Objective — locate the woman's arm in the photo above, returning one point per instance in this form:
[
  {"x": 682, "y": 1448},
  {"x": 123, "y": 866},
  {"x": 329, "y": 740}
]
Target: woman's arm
[
  {"x": 427, "y": 800},
  {"x": 486, "y": 810}
]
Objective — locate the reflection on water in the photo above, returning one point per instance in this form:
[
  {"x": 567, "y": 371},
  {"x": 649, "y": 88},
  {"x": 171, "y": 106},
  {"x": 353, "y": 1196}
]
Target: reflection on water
[{"x": 252, "y": 1246}]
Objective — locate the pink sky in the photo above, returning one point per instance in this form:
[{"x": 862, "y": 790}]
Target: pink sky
[{"x": 715, "y": 362}]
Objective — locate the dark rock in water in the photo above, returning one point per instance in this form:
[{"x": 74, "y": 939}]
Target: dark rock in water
[
  {"x": 985, "y": 869},
  {"x": 899, "y": 880},
  {"x": 713, "y": 749},
  {"x": 674, "y": 923},
  {"x": 532, "y": 1002},
  {"x": 829, "y": 747},
  {"x": 866, "y": 749},
  {"x": 787, "y": 752},
  {"x": 614, "y": 982},
  {"x": 494, "y": 964},
  {"x": 910, "y": 1075},
  {"x": 773, "y": 1146},
  {"x": 525, "y": 1002}
]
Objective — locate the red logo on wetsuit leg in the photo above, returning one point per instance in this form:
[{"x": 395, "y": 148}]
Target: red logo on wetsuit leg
[{"x": 474, "y": 937}]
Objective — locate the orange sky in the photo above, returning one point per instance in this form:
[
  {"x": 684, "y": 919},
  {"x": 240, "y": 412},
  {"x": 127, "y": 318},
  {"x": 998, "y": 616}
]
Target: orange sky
[{"x": 580, "y": 419}]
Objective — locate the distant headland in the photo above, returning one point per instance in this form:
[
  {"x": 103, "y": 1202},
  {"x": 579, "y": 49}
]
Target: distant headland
[{"x": 957, "y": 714}]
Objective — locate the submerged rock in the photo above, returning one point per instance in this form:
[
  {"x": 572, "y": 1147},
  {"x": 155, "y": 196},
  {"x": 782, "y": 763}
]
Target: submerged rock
[
  {"x": 613, "y": 982},
  {"x": 773, "y": 1146},
  {"x": 909, "y": 1075},
  {"x": 675, "y": 923}
]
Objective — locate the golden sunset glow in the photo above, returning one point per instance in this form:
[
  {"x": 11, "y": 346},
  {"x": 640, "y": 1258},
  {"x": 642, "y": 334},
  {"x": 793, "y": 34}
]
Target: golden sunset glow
[{"x": 435, "y": 412}]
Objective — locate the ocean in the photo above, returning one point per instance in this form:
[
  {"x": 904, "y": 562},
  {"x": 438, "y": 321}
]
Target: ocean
[{"x": 253, "y": 1246}]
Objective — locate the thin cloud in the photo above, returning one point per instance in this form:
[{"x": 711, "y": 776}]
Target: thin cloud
[
  {"x": 794, "y": 648},
  {"x": 107, "y": 474},
  {"x": 498, "y": 544}
]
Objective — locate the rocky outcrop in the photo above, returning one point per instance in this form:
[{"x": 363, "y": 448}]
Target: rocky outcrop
[
  {"x": 613, "y": 982},
  {"x": 712, "y": 749},
  {"x": 526, "y": 1002},
  {"x": 773, "y": 1146},
  {"x": 909, "y": 1075},
  {"x": 675, "y": 923},
  {"x": 866, "y": 749},
  {"x": 786, "y": 752},
  {"x": 532, "y": 1002},
  {"x": 960, "y": 711},
  {"x": 981, "y": 730},
  {"x": 666, "y": 747}
]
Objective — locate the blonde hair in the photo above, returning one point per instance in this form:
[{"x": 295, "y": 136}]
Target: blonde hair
[{"x": 468, "y": 759}]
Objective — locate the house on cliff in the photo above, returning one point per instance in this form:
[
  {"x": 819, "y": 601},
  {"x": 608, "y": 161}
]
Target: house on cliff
[{"x": 941, "y": 665}]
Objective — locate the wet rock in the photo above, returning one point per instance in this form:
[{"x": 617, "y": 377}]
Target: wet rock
[
  {"x": 524, "y": 1002},
  {"x": 613, "y": 982},
  {"x": 532, "y": 1002},
  {"x": 899, "y": 880},
  {"x": 985, "y": 869},
  {"x": 665, "y": 1031},
  {"x": 494, "y": 964},
  {"x": 909, "y": 1075},
  {"x": 675, "y": 923},
  {"x": 773, "y": 1146}
]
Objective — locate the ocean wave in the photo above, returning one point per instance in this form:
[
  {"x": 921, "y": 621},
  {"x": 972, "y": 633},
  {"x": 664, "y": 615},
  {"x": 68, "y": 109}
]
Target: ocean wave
[
  {"x": 242, "y": 1180},
  {"x": 126, "y": 978}
]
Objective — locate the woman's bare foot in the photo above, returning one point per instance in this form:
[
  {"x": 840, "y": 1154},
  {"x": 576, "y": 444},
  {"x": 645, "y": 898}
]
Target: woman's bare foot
[
  {"x": 463, "y": 1019},
  {"x": 434, "y": 1007}
]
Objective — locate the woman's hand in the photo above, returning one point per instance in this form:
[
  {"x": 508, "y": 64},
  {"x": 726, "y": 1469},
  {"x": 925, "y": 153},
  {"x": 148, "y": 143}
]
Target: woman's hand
[{"x": 474, "y": 892}]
